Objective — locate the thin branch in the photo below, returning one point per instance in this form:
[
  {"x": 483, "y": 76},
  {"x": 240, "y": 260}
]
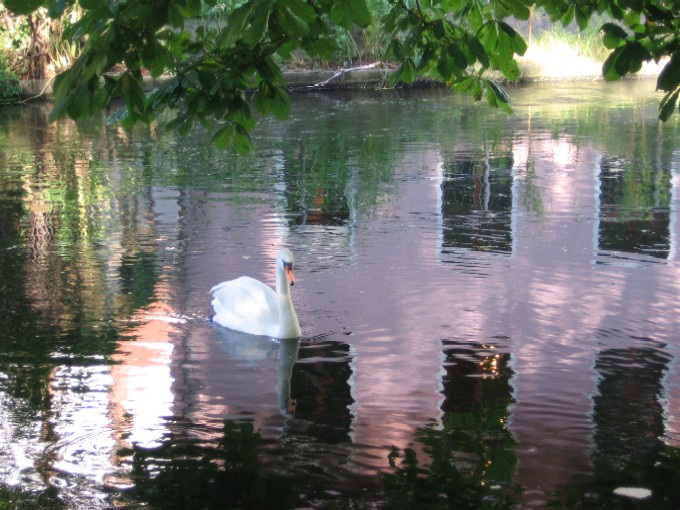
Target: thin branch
[{"x": 341, "y": 72}]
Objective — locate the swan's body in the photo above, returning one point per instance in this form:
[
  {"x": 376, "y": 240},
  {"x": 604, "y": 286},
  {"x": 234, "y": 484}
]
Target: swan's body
[{"x": 250, "y": 306}]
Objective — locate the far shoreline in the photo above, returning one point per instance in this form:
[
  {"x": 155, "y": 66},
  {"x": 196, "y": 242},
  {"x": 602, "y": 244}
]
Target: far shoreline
[{"x": 539, "y": 65}]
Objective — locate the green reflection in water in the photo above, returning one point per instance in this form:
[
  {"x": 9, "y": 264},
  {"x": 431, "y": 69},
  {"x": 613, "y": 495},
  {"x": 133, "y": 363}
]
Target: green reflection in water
[
  {"x": 184, "y": 474},
  {"x": 635, "y": 206},
  {"x": 471, "y": 464},
  {"x": 79, "y": 249}
]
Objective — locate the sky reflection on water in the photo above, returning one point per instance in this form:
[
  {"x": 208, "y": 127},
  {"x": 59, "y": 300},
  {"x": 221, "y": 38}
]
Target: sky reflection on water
[{"x": 449, "y": 260}]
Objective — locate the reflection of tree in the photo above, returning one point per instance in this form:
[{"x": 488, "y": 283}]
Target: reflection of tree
[
  {"x": 634, "y": 207},
  {"x": 320, "y": 386},
  {"x": 340, "y": 168},
  {"x": 470, "y": 466},
  {"x": 475, "y": 374},
  {"x": 186, "y": 474},
  {"x": 530, "y": 191},
  {"x": 628, "y": 410},
  {"x": 80, "y": 229},
  {"x": 471, "y": 460},
  {"x": 327, "y": 174},
  {"x": 72, "y": 232},
  {"x": 628, "y": 445},
  {"x": 477, "y": 204}
]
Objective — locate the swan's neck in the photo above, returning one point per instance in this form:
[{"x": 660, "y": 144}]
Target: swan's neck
[
  {"x": 288, "y": 321},
  {"x": 282, "y": 287}
]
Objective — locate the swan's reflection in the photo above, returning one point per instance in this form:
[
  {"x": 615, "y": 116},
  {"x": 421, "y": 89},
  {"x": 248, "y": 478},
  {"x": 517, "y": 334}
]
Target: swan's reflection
[{"x": 253, "y": 349}]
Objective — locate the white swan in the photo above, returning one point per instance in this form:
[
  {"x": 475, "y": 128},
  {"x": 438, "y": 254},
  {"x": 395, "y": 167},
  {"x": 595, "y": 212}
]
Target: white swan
[{"x": 250, "y": 306}]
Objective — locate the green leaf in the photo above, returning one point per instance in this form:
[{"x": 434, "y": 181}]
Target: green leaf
[
  {"x": 509, "y": 68},
  {"x": 459, "y": 57},
  {"x": 347, "y": 12},
  {"x": 476, "y": 90},
  {"x": 613, "y": 35},
  {"x": 615, "y": 10},
  {"x": 341, "y": 15},
  {"x": 408, "y": 71},
  {"x": 258, "y": 25},
  {"x": 471, "y": 85},
  {"x": 242, "y": 143},
  {"x": 610, "y": 68},
  {"x": 324, "y": 47},
  {"x": 669, "y": 77},
  {"x": 156, "y": 60},
  {"x": 438, "y": 29},
  {"x": 285, "y": 51},
  {"x": 474, "y": 17},
  {"x": 517, "y": 43},
  {"x": 632, "y": 19},
  {"x": 428, "y": 58},
  {"x": 22, "y": 6},
  {"x": 236, "y": 24},
  {"x": 478, "y": 50},
  {"x": 360, "y": 13},
  {"x": 100, "y": 98},
  {"x": 224, "y": 136},
  {"x": 191, "y": 8},
  {"x": 631, "y": 58},
  {"x": 185, "y": 126},
  {"x": 90, "y": 4},
  {"x": 281, "y": 104},
  {"x": 269, "y": 71},
  {"x": 96, "y": 62},
  {"x": 272, "y": 99},
  {"x": 568, "y": 15},
  {"x": 232, "y": 134},
  {"x": 445, "y": 67},
  {"x": 582, "y": 16},
  {"x": 465, "y": 85},
  {"x": 520, "y": 10},
  {"x": 172, "y": 124},
  {"x": 667, "y": 106},
  {"x": 133, "y": 95},
  {"x": 497, "y": 97},
  {"x": 295, "y": 17},
  {"x": 488, "y": 36},
  {"x": 63, "y": 83},
  {"x": 78, "y": 106}
]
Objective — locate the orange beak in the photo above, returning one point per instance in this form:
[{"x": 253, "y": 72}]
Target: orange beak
[{"x": 290, "y": 275}]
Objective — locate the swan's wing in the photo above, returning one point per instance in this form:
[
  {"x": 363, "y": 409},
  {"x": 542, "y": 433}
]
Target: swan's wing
[{"x": 244, "y": 301}]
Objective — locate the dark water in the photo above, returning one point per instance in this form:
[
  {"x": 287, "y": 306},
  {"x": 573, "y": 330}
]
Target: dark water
[{"x": 489, "y": 306}]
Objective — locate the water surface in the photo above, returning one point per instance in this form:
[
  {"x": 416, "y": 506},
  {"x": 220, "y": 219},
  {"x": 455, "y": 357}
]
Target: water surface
[{"x": 499, "y": 291}]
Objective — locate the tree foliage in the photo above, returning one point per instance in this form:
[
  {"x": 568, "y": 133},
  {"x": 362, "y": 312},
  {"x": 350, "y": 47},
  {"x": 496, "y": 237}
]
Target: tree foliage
[{"x": 215, "y": 65}]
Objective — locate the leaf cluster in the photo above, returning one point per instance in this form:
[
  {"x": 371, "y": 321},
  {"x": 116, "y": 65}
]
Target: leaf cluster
[
  {"x": 9, "y": 84},
  {"x": 213, "y": 64},
  {"x": 457, "y": 42},
  {"x": 225, "y": 69}
]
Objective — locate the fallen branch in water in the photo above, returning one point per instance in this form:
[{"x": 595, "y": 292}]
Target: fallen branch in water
[{"x": 341, "y": 72}]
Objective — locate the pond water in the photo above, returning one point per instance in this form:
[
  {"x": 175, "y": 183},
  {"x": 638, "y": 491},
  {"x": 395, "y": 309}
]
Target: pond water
[{"x": 490, "y": 301}]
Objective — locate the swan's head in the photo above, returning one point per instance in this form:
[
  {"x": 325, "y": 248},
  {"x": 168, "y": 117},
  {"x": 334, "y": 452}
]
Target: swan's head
[{"x": 285, "y": 261}]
